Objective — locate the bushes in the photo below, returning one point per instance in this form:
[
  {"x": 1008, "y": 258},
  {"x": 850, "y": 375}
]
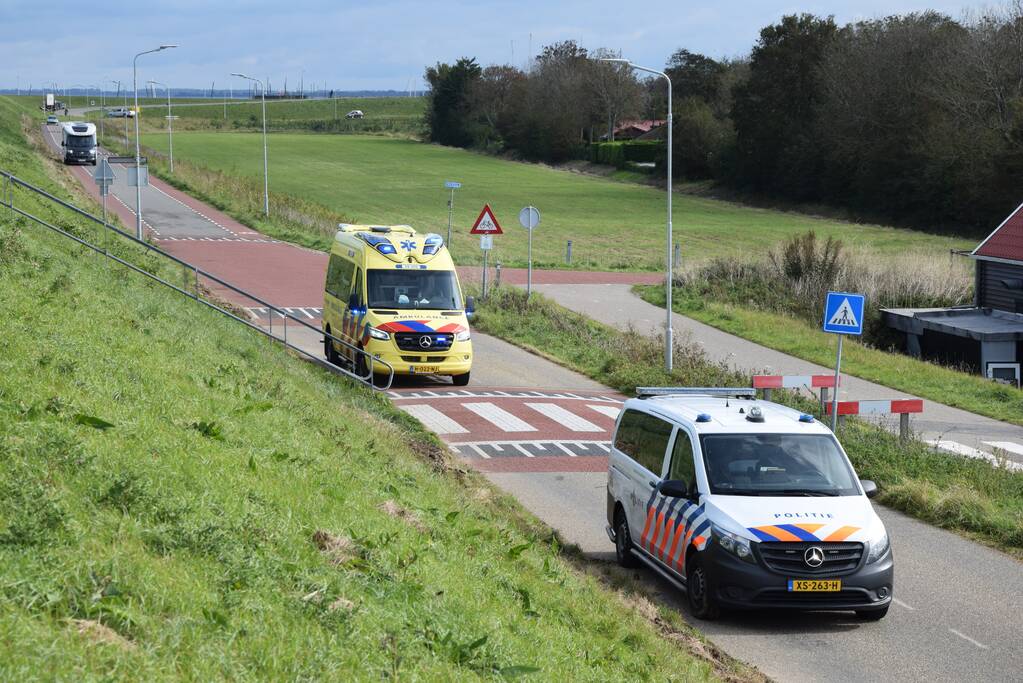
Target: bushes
[{"x": 620, "y": 154}]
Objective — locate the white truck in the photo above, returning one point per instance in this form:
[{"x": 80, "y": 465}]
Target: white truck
[{"x": 79, "y": 143}]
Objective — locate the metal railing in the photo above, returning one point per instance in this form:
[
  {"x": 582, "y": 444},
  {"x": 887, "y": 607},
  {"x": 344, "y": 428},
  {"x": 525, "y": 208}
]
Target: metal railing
[{"x": 191, "y": 279}]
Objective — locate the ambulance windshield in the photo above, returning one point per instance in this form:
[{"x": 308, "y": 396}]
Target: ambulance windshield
[
  {"x": 776, "y": 465},
  {"x": 413, "y": 289}
]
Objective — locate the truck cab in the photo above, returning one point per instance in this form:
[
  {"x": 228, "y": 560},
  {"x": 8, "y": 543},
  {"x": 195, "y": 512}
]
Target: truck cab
[
  {"x": 79, "y": 143},
  {"x": 744, "y": 504},
  {"x": 394, "y": 294}
]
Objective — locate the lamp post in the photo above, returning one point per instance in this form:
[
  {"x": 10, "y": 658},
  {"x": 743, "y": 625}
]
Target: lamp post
[
  {"x": 668, "y": 255},
  {"x": 266, "y": 174},
  {"x": 170, "y": 127},
  {"x": 138, "y": 154}
]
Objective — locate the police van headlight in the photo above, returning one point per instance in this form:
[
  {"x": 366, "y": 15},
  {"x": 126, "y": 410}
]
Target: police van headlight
[
  {"x": 462, "y": 336},
  {"x": 878, "y": 548},
  {"x": 735, "y": 545},
  {"x": 379, "y": 334}
]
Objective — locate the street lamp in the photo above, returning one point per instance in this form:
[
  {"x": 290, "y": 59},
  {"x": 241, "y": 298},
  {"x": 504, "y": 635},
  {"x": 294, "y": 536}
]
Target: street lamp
[
  {"x": 668, "y": 254},
  {"x": 170, "y": 128},
  {"x": 266, "y": 175},
  {"x": 138, "y": 155}
]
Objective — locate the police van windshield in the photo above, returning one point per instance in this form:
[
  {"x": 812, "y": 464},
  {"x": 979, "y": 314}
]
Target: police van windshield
[
  {"x": 413, "y": 289},
  {"x": 776, "y": 465}
]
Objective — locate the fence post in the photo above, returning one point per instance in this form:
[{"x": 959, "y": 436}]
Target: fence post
[
  {"x": 825, "y": 394},
  {"x": 767, "y": 394},
  {"x": 568, "y": 252},
  {"x": 497, "y": 276},
  {"x": 903, "y": 427},
  {"x": 841, "y": 421}
]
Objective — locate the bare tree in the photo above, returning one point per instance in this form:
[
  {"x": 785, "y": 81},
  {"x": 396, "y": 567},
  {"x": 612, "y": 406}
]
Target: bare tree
[{"x": 615, "y": 89}]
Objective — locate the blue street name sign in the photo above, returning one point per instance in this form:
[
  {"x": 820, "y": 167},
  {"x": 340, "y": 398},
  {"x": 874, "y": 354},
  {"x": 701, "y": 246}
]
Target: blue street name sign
[{"x": 843, "y": 313}]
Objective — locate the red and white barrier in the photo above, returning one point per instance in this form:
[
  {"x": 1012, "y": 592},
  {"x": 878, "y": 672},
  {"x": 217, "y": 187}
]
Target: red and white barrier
[
  {"x": 895, "y": 407},
  {"x": 793, "y": 381},
  {"x": 901, "y": 407}
]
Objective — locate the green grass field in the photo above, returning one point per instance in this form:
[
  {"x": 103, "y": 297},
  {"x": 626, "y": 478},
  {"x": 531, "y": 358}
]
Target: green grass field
[
  {"x": 612, "y": 224},
  {"x": 393, "y": 107},
  {"x": 180, "y": 499}
]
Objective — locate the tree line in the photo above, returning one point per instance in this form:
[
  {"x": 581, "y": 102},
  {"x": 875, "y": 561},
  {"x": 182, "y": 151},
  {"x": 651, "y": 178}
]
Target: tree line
[{"x": 915, "y": 119}]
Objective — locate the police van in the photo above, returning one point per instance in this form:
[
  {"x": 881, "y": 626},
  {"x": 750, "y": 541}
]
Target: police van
[
  {"x": 744, "y": 504},
  {"x": 395, "y": 294}
]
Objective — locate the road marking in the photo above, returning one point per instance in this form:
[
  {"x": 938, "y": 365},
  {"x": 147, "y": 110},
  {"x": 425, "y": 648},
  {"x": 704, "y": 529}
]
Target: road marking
[
  {"x": 562, "y": 447},
  {"x": 564, "y": 417},
  {"x": 434, "y": 420},
  {"x": 900, "y": 603},
  {"x": 499, "y": 417},
  {"x": 968, "y": 451},
  {"x": 1007, "y": 446},
  {"x": 479, "y": 451},
  {"x": 609, "y": 411},
  {"x": 523, "y": 451},
  {"x": 968, "y": 639}
]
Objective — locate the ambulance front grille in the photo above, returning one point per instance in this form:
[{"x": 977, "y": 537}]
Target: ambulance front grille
[
  {"x": 411, "y": 341},
  {"x": 788, "y": 558}
]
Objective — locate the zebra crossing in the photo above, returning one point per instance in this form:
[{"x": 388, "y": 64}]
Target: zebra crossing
[{"x": 542, "y": 429}]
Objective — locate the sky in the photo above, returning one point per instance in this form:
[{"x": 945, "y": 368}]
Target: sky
[{"x": 373, "y": 44}]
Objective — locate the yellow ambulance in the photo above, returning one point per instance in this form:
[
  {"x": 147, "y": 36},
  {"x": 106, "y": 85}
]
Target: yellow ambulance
[{"x": 395, "y": 294}]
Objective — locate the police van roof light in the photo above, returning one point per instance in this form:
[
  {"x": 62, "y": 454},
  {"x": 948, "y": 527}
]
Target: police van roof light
[
  {"x": 703, "y": 417},
  {"x": 743, "y": 392},
  {"x": 805, "y": 417}
]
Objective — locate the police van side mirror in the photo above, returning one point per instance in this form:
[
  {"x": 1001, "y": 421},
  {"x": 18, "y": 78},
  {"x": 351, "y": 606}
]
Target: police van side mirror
[
  {"x": 673, "y": 488},
  {"x": 869, "y": 488},
  {"x": 470, "y": 306}
]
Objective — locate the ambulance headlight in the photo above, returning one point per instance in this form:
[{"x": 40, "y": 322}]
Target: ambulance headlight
[
  {"x": 379, "y": 334},
  {"x": 878, "y": 548},
  {"x": 735, "y": 545},
  {"x": 462, "y": 336}
]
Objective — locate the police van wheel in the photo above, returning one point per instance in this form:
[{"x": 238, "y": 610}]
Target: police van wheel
[
  {"x": 702, "y": 602},
  {"x": 623, "y": 542},
  {"x": 871, "y": 614},
  {"x": 460, "y": 380}
]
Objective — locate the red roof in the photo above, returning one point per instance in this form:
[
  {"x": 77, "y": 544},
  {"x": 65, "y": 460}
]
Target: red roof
[
  {"x": 645, "y": 126},
  {"x": 1006, "y": 242}
]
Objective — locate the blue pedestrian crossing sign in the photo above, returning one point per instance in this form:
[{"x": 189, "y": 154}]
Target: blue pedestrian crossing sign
[{"x": 843, "y": 313}]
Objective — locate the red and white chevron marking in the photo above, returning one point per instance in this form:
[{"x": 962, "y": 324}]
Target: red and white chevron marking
[{"x": 793, "y": 381}]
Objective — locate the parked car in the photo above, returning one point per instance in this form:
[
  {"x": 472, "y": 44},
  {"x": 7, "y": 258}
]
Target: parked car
[
  {"x": 355, "y": 114},
  {"x": 121, "y": 113},
  {"x": 52, "y": 120}
]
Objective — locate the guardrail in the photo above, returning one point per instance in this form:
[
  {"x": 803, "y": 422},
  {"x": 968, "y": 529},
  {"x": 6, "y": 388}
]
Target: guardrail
[
  {"x": 191, "y": 278},
  {"x": 901, "y": 407}
]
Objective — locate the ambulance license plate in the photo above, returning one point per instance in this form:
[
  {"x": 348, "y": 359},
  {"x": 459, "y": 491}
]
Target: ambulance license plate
[
  {"x": 815, "y": 585},
  {"x": 424, "y": 369}
]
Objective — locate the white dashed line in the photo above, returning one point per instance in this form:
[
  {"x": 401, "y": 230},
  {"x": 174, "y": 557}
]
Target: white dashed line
[
  {"x": 968, "y": 639},
  {"x": 499, "y": 417},
  {"x": 609, "y": 411},
  {"x": 564, "y": 417}
]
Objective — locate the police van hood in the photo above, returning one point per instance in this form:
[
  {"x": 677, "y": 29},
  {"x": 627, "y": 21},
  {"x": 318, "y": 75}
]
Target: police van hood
[{"x": 795, "y": 518}]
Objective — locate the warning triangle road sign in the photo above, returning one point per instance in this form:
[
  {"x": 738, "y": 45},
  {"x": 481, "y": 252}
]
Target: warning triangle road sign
[
  {"x": 104, "y": 173},
  {"x": 844, "y": 316},
  {"x": 486, "y": 223}
]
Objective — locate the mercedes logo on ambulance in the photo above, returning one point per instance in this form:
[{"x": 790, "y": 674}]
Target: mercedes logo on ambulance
[
  {"x": 425, "y": 342},
  {"x": 814, "y": 557}
]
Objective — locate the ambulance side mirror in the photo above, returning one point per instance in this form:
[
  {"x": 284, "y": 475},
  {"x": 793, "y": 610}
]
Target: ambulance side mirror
[
  {"x": 869, "y": 488},
  {"x": 470, "y": 307},
  {"x": 673, "y": 488},
  {"x": 353, "y": 301}
]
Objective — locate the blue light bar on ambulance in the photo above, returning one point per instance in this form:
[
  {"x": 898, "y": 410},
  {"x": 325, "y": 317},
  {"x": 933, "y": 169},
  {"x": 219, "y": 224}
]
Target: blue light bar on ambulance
[
  {"x": 381, "y": 244},
  {"x": 433, "y": 244}
]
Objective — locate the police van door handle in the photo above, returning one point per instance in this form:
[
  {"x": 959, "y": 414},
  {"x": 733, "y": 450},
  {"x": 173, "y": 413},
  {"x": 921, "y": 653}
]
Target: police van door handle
[{"x": 652, "y": 484}]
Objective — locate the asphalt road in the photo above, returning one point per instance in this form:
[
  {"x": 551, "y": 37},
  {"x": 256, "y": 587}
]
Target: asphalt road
[{"x": 540, "y": 432}]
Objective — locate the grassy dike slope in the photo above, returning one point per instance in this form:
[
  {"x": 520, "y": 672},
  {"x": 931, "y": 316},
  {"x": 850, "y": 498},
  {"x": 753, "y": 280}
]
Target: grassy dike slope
[{"x": 181, "y": 499}]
